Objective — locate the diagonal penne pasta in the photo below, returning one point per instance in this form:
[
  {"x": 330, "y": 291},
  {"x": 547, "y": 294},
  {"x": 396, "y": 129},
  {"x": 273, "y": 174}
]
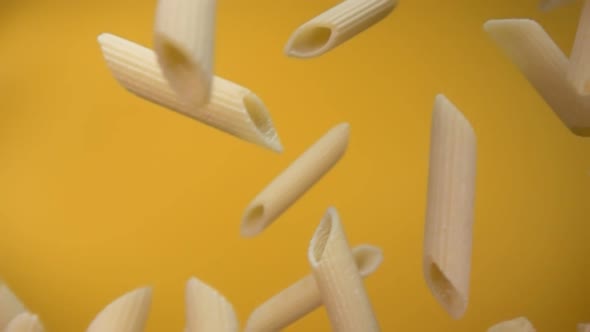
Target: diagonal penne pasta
[
  {"x": 207, "y": 310},
  {"x": 10, "y": 305},
  {"x": 294, "y": 181},
  {"x": 544, "y": 65},
  {"x": 583, "y": 327},
  {"x": 25, "y": 322},
  {"x": 128, "y": 313},
  {"x": 578, "y": 72},
  {"x": 184, "y": 35},
  {"x": 303, "y": 297},
  {"x": 335, "y": 26},
  {"x": 547, "y": 5},
  {"x": 338, "y": 280},
  {"x": 232, "y": 108},
  {"x": 449, "y": 214},
  {"x": 520, "y": 324}
]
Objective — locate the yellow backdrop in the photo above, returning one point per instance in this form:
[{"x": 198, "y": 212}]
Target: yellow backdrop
[{"x": 101, "y": 192}]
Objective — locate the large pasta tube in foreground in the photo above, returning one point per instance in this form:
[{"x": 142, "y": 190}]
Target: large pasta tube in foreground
[
  {"x": 303, "y": 297},
  {"x": 10, "y": 306},
  {"x": 520, "y": 324},
  {"x": 25, "y": 322},
  {"x": 335, "y": 26},
  {"x": 449, "y": 214},
  {"x": 129, "y": 313},
  {"x": 294, "y": 181},
  {"x": 232, "y": 108},
  {"x": 184, "y": 35},
  {"x": 338, "y": 279},
  {"x": 207, "y": 310}
]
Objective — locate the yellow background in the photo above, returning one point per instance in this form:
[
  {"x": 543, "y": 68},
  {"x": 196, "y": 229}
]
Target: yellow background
[{"x": 102, "y": 192}]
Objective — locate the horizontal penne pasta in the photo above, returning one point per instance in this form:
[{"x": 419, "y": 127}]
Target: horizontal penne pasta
[
  {"x": 10, "y": 306},
  {"x": 184, "y": 35},
  {"x": 232, "y": 108},
  {"x": 207, "y": 310},
  {"x": 335, "y": 26},
  {"x": 449, "y": 213},
  {"x": 578, "y": 72},
  {"x": 338, "y": 280},
  {"x": 25, "y": 322},
  {"x": 520, "y": 324},
  {"x": 544, "y": 65},
  {"x": 129, "y": 313},
  {"x": 547, "y": 5},
  {"x": 294, "y": 181},
  {"x": 303, "y": 297},
  {"x": 583, "y": 327}
]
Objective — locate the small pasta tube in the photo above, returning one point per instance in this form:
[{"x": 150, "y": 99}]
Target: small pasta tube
[
  {"x": 232, "y": 108},
  {"x": 544, "y": 65},
  {"x": 10, "y": 306},
  {"x": 207, "y": 310},
  {"x": 184, "y": 35},
  {"x": 578, "y": 72},
  {"x": 338, "y": 280},
  {"x": 294, "y": 181},
  {"x": 547, "y": 5},
  {"x": 25, "y": 322},
  {"x": 335, "y": 26},
  {"x": 129, "y": 313},
  {"x": 449, "y": 214},
  {"x": 303, "y": 297},
  {"x": 520, "y": 324}
]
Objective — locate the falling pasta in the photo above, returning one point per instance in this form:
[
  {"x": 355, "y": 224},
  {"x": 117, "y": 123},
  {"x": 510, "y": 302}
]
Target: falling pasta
[
  {"x": 207, "y": 310},
  {"x": 128, "y": 313},
  {"x": 520, "y": 324},
  {"x": 10, "y": 306},
  {"x": 25, "y": 322}
]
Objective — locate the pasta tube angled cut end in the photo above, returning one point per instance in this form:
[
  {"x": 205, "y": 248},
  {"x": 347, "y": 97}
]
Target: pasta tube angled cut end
[
  {"x": 207, "y": 309},
  {"x": 520, "y": 324},
  {"x": 25, "y": 322},
  {"x": 10, "y": 305},
  {"x": 128, "y": 313}
]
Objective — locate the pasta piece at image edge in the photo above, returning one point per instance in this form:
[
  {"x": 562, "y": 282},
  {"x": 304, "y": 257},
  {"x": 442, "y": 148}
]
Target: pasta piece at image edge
[
  {"x": 583, "y": 327},
  {"x": 520, "y": 324},
  {"x": 548, "y": 5},
  {"x": 207, "y": 309},
  {"x": 25, "y": 322},
  {"x": 10, "y": 305},
  {"x": 128, "y": 313}
]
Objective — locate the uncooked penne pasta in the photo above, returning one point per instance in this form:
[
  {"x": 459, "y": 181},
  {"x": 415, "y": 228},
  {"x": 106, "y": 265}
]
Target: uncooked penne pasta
[
  {"x": 520, "y": 324},
  {"x": 10, "y": 306},
  {"x": 183, "y": 41},
  {"x": 449, "y": 214},
  {"x": 338, "y": 279},
  {"x": 129, "y": 313},
  {"x": 578, "y": 72},
  {"x": 303, "y": 297},
  {"x": 232, "y": 108},
  {"x": 207, "y": 310},
  {"x": 583, "y": 327},
  {"x": 294, "y": 181},
  {"x": 547, "y": 5},
  {"x": 544, "y": 65},
  {"x": 335, "y": 26},
  {"x": 25, "y": 322}
]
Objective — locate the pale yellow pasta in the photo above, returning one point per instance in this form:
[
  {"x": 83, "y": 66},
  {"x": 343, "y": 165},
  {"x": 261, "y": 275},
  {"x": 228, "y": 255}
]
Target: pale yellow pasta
[
  {"x": 335, "y": 26},
  {"x": 520, "y": 324},
  {"x": 10, "y": 305},
  {"x": 232, "y": 108},
  {"x": 184, "y": 35},
  {"x": 25, "y": 322},
  {"x": 128, "y": 313},
  {"x": 583, "y": 327},
  {"x": 449, "y": 213},
  {"x": 207, "y": 310},
  {"x": 547, "y": 5},
  {"x": 578, "y": 72}
]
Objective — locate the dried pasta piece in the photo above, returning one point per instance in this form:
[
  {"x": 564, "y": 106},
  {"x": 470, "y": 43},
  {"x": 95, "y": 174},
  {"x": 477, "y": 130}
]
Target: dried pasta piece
[
  {"x": 303, "y": 297},
  {"x": 128, "y": 313},
  {"x": 336, "y": 25},
  {"x": 583, "y": 327},
  {"x": 547, "y": 5},
  {"x": 578, "y": 72},
  {"x": 25, "y": 322},
  {"x": 207, "y": 310},
  {"x": 10, "y": 305},
  {"x": 520, "y": 324},
  {"x": 294, "y": 181},
  {"x": 338, "y": 279},
  {"x": 449, "y": 213},
  {"x": 544, "y": 65},
  {"x": 184, "y": 35},
  {"x": 232, "y": 108}
]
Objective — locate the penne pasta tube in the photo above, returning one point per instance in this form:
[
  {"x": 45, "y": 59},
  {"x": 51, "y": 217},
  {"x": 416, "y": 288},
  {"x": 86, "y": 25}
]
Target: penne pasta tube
[
  {"x": 335, "y": 26},
  {"x": 232, "y": 108},
  {"x": 129, "y": 313},
  {"x": 449, "y": 213},
  {"x": 25, "y": 322},
  {"x": 10, "y": 306},
  {"x": 520, "y": 324},
  {"x": 338, "y": 280},
  {"x": 303, "y": 297},
  {"x": 184, "y": 35},
  {"x": 207, "y": 310},
  {"x": 544, "y": 65},
  {"x": 578, "y": 72},
  {"x": 547, "y": 5},
  {"x": 583, "y": 327}
]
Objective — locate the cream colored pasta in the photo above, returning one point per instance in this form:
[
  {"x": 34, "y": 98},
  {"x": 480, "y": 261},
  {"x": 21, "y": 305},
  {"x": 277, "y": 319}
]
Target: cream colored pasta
[
  {"x": 10, "y": 306},
  {"x": 184, "y": 35},
  {"x": 232, "y": 108},
  {"x": 520, "y": 324},
  {"x": 207, "y": 310},
  {"x": 335, "y": 26},
  {"x": 545, "y": 66},
  {"x": 129, "y": 313},
  {"x": 294, "y": 181},
  {"x": 583, "y": 327},
  {"x": 338, "y": 279},
  {"x": 303, "y": 297},
  {"x": 547, "y": 5},
  {"x": 449, "y": 214},
  {"x": 25, "y": 322},
  {"x": 578, "y": 72}
]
